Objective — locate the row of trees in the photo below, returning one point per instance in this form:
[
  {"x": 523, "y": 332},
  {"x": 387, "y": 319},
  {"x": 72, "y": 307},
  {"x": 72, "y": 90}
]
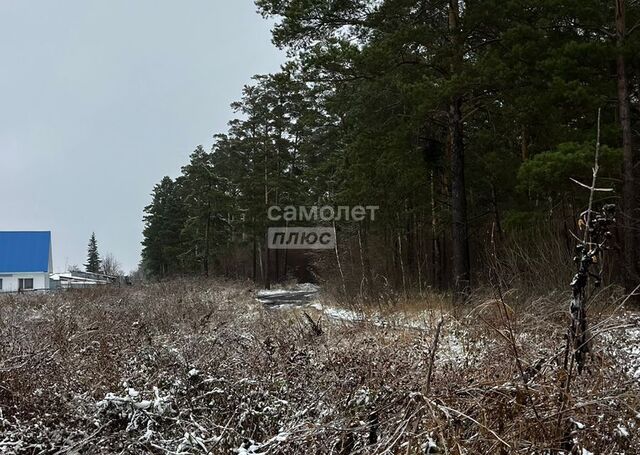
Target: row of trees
[{"x": 455, "y": 117}]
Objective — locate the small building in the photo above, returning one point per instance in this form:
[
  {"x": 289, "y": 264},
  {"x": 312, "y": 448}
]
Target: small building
[
  {"x": 77, "y": 279},
  {"x": 25, "y": 260}
]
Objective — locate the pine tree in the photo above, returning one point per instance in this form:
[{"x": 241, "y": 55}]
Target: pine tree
[
  {"x": 164, "y": 221},
  {"x": 93, "y": 258}
]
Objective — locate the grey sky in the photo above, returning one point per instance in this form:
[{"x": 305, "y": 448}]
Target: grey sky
[{"x": 100, "y": 99}]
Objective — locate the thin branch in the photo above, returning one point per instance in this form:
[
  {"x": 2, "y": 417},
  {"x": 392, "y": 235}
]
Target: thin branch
[
  {"x": 593, "y": 182},
  {"x": 634, "y": 28},
  {"x": 462, "y": 414},
  {"x": 591, "y": 188},
  {"x": 433, "y": 354}
]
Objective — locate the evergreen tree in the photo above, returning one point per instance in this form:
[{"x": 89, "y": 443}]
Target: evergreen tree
[
  {"x": 164, "y": 220},
  {"x": 93, "y": 264}
]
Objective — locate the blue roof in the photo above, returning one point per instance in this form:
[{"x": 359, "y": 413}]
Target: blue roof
[{"x": 24, "y": 251}]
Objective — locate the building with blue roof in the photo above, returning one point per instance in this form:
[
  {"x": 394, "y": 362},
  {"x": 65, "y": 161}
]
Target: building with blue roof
[{"x": 25, "y": 260}]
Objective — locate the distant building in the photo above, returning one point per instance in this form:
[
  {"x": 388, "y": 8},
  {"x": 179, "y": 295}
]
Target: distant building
[
  {"x": 25, "y": 260},
  {"x": 79, "y": 280}
]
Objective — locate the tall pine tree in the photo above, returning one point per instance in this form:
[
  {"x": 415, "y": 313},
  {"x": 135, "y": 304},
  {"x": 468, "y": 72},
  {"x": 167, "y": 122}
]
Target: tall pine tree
[{"x": 93, "y": 257}]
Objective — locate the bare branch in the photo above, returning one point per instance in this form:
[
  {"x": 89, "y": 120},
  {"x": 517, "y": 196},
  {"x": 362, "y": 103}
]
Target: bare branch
[{"x": 589, "y": 187}]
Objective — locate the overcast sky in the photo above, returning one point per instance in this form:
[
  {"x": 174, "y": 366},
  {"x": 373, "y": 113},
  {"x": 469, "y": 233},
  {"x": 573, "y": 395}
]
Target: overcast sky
[{"x": 99, "y": 99}]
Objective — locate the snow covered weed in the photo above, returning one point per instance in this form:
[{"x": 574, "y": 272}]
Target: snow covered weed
[{"x": 187, "y": 368}]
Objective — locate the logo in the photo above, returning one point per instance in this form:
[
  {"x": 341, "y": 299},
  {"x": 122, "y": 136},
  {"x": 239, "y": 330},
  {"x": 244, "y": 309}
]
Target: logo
[{"x": 301, "y": 238}]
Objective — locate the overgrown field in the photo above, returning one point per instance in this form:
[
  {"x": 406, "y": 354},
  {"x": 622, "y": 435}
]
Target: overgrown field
[{"x": 186, "y": 368}]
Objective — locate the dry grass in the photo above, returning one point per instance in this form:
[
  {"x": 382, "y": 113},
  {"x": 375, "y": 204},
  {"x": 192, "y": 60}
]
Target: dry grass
[{"x": 187, "y": 368}]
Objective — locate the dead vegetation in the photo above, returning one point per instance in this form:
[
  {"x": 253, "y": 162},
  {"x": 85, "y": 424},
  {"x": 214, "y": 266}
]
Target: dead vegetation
[{"x": 189, "y": 368}]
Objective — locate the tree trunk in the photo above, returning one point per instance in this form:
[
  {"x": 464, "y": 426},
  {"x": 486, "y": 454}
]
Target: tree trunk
[
  {"x": 286, "y": 264},
  {"x": 367, "y": 288},
  {"x": 459, "y": 232},
  {"x": 363, "y": 281},
  {"x": 206, "y": 244},
  {"x": 402, "y": 272},
  {"x": 261, "y": 262},
  {"x": 254, "y": 268},
  {"x": 435, "y": 246},
  {"x": 267, "y": 276},
  {"x": 496, "y": 211},
  {"x": 628, "y": 190},
  {"x": 344, "y": 286},
  {"x": 525, "y": 144}
]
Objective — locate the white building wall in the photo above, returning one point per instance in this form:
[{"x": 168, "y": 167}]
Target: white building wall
[{"x": 10, "y": 281}]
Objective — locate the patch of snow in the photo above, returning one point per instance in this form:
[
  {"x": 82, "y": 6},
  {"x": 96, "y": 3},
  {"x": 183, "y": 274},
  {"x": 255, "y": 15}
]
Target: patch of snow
[
  {"x": 622, "y": 431},
  {"x": 191, "y": 440},
  {"x": 342, "y": 314},
  {"x": 303, "y": 287},
  {"x": 579, "y": 426},
  {"x": 430, "y": 446},
  {"x": 294, "y": 296},
  {"x": 268, "y": 292},
  {"x": 148, "y": 434},
  {"x": 624, "y": 345},
  {"x": 310, "y": 287},
  {"x": 144, "y": 404},
  {"x": 252, "y": 449}
]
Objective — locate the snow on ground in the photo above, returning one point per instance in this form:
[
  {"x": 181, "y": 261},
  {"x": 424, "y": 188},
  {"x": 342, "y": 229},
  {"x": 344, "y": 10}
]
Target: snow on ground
[
  {"x": 244, "y": 383},
  {"x": 301, "y": 287},
  {"x": 622, "y": 342},
  {"x": 307, "y": 295},
  {"x": 295, "y": 295},
  {"x": 341, "y": 314},
  {"x": 453, "y": 345}
]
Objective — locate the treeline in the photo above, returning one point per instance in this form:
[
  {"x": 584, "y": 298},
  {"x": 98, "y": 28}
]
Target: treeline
[{"x": 463, "y": 121}]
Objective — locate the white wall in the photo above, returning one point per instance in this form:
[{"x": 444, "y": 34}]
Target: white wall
[{"x": 10, "y": 283}]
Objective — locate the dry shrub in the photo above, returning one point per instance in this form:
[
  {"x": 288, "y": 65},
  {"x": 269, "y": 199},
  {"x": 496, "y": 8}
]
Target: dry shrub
[{"x": 189, "y": 367}]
